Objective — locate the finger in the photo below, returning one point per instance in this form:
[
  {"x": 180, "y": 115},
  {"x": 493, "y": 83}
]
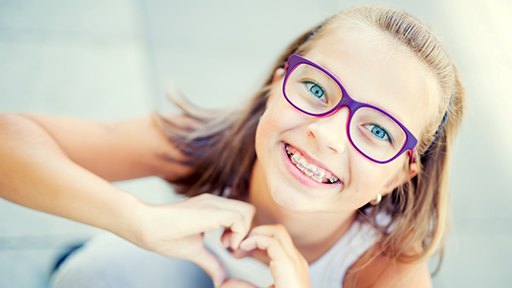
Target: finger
[
  {"x": 208, "y": 219},
  {"x": 226, "y": 242},
  {"x": 225, "y": 238},
  {"x": 239, "y": 228},
  {"x": 210, "y": 200},
  {"x": 241, "y": 224},
  {"x": 278, "y": 232},
  {"x": 238, "y": 223},
  {"x": 236, "y": 283},
  {"x": 203, "y": 220},
  {"x": 263, "y": 242},
  {"x": 211, "y": 265},
  {"x": 286, "y": 269},
  {"x": 239, "y": 253}
]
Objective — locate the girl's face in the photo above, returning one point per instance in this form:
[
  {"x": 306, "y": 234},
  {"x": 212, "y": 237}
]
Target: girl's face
[{"x": 374, "y": 69}]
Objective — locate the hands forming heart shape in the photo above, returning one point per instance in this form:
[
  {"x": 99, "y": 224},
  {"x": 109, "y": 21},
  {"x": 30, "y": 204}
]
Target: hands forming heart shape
[
  {"x": 273, "y": 245},
  {"x": 177, "y": 230}
]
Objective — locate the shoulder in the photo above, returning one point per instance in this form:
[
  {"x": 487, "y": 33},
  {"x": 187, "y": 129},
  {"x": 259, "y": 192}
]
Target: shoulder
[{"x": 374, "y": 269}]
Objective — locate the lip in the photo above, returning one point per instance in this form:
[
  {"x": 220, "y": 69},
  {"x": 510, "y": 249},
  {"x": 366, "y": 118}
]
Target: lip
[{"x": 298, "y": 175}]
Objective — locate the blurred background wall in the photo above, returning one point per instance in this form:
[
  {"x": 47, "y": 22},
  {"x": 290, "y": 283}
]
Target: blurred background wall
[{"x": 109, "y": 60}]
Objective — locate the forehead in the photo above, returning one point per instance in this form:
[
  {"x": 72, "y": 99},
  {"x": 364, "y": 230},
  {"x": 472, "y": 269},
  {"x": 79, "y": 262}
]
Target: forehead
[{"x": 378, "y": 70}]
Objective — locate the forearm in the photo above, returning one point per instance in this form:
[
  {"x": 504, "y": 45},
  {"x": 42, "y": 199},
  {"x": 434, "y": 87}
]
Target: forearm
[{"x": 37, "y": 174}]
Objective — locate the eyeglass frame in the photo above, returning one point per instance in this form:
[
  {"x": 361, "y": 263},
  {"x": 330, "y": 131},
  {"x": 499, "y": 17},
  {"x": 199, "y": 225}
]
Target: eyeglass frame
[{"x": 346, "y": 101}]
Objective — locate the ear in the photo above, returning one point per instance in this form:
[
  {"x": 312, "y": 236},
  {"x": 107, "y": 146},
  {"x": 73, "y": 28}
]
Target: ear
[
  {"x": 401, "y": 178},
  {"x": 277, "y": 75}
]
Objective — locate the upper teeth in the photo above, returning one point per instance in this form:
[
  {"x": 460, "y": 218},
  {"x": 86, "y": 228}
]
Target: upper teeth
[{"x": 314, "y": 172}]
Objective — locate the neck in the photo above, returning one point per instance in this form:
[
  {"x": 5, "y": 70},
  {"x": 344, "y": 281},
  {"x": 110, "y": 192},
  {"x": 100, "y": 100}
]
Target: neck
[{"x": 313, "y": 233}]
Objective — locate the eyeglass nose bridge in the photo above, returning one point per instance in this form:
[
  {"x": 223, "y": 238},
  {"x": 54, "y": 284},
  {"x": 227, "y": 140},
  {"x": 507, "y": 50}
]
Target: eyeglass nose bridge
[
  {"x": 345, "y": 101},
  {"x": 352, "y": 107}
]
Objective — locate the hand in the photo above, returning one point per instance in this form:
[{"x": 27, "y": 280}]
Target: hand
[
  {"x": 287, "y": 265},
  {"x": 176, "y": 230}
]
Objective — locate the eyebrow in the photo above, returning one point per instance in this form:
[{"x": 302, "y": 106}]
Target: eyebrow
[{"x": 394, "y": 114}]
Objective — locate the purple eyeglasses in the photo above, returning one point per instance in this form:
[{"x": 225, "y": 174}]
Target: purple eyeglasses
[{"x": 315, "y": 91}]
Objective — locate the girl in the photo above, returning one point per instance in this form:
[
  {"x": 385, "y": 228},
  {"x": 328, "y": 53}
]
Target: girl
[{"x": 334, "y": 174}]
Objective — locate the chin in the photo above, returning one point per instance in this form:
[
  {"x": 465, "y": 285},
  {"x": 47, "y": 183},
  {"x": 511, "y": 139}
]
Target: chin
[{"x": 292, "y": 201}]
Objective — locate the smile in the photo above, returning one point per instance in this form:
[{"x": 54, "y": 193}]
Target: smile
[{"x": 317, "y": 174}]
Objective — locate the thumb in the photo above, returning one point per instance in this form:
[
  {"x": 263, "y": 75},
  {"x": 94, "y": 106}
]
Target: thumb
[{"x": 211, "y": 265}]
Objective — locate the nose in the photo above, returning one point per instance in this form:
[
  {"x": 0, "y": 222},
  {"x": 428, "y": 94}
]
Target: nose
[{"x": 330, "y": 132}]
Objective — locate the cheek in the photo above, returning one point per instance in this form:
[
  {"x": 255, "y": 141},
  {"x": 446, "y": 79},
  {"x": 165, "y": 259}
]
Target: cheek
[
  {"x": 368, "y": 179},
  {"x": 279, "y": 117}
]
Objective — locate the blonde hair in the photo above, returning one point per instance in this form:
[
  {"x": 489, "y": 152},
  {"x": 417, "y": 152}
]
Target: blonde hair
[
  {"x": 419, "y": 208},
  {"x": 219, "y": 145}
]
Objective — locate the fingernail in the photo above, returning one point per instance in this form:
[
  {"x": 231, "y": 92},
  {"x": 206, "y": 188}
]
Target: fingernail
[
  {"x": 244, "y": 245},
  {"x": 235, "y": 242},
  {"x": 238, "y": 253},
  {"x": 225, "y": 242}
]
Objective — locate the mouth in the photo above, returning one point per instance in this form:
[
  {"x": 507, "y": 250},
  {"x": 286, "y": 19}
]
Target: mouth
[{"x": 315, "y": 172}]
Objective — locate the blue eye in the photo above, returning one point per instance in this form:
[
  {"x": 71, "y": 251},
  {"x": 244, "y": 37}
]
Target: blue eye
[
  {"x": 316, "y": 91},
  {"x": 380, "y": 133}
]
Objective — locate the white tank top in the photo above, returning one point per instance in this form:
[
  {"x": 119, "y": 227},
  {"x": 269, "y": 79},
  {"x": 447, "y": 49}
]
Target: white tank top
[{"x": 327, "y": 271}]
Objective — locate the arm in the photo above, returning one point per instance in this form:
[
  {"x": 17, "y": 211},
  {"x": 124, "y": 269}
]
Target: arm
[
  {"x": 113, "y": 150},
  {"x": 52, "y": 164},
  {"x": 39, "y": 172}
]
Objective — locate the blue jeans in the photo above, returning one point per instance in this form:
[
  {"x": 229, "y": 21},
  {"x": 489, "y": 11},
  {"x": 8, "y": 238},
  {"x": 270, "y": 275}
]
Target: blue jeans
[{"x": 109, "y": 261}]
